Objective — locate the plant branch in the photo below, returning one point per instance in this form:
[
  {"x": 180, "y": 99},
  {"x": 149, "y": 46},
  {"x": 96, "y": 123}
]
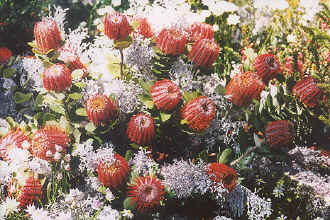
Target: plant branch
[{"x": 243, "y": 156}]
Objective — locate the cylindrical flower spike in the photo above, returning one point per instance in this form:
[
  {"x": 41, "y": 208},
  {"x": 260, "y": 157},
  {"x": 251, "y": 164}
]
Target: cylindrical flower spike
[
  {"x": 244, "y": 87},
  {"x": 171, "y": 42},
  {"x": 113, "y": 173},
  {"x": 221, "y": 173},
  {"x": 44, "y": 142},
  {"x": 12, "y": 140},
  {"x": 200, "y": 30},
  {"x": 308, "y": 92},
  {"x": 101, "y": 109},
  {"x": 204, "y": 52},
  {"x": 47, "y": 35},
  {"x": 165, "y": 94},
  {"x": 57, "y": 78},
  {"x": 199, "y": 113},
  {"x": 267, "y": 66},
  {"x": 116, "y": 26},
  {"x": 144, "y": 28},
  {"x": 5, "y": 54},
  {"x": 279, "y": 133},
  {"x": 146, "y": 193},
  {"x": 31, "y": 191},
  {"x": 141, "y": 129}
]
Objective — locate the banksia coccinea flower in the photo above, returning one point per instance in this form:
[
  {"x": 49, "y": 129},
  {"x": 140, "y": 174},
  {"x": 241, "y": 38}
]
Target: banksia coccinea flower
[
  {"x": 307, "y": 91},
  {"x": 204, "y": 52},
  {"x": 165, "y": 94},
  {"x": 244, "y": 87},
  {"x": 101, "y": 109},
  {"x": 200, "y": 30},
  {"x": 171, "y": 42},
  {"x": 146, "y": 193},
  {"x": 144, "y": 28},
  {"x": 47, "y": 35},
  {"x": 31, "y": 191},
  {"x": 11, "y": 140},
  {"x": 221, "y": 173},
  {"x": 44, "y": 142},
  {"x": 279, "y": 133},
  {"x": 141, "y": 129},
  {"x": 199, "y": 113},
  {"x": 57, "y": 78},
  {"x": 116, "y": 26},
  {"x": 266, "y": 66},
  {"x": 5, "y": 54},
  {"x": 112, "y": 172}
]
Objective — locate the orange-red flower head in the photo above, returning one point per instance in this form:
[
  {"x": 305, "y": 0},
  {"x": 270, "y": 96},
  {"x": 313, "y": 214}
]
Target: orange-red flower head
[
  {"x": 144, "y": 28},
  {"x": 5, "y": 54},
  {"x": 57, "y": 78},
  {"x": 45, "y": 142},
  {"x": 116, "y": 26},
  {"x": 279, "y": 133},
  {"x": 101, "y": 109},
  {"x": 267, "y": 66},
  {"x": 221, "y": 173},
  {"x": 31, "y": 191},
  {"x": 13, "y": 139},
  {"x": 165, "y": 94},
  {"x": 244, "y": 87},
  {"x": 199, "y": 113},
  {"x": 113, "y": 173},
  {"x": 308, "y": 92},
  {"x": 141, "y": 129},
  {"x": 47, "y": 35},
  {"x": 146, "y": 193},
  {"x": 200, "y": 30},
  {"x": 204, "y": 52},
  {"x": 171, "y": 41}
]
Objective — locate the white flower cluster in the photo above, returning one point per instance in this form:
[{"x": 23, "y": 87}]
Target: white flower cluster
[
  {"x": 142, "y": 163},
  {"x": 270, "y": 4},
  {"x": 108, "y": 213},
  {"x": 220, "y": 7},
  {"x": 181, "y": 74},
  {"x": 185, "y": 178},
  {"x": 59, "y": 16},
  {"x": 257, "y": 208},
  {"x": 34, "y": 68},
  {"x": 86, "y": 155}
]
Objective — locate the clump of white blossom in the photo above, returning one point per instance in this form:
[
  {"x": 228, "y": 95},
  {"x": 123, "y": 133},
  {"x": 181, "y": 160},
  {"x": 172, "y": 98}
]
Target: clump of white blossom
[{"x": 142, "y": 163}]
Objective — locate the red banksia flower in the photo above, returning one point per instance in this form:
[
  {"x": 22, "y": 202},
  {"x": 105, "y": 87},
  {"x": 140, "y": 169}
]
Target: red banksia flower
[
  {"x": 101, "y": 109},
  {"x": 289, "y": 65},
  {"x": 199, "y": 113},
  {"x": 146, "y": 193},
  {"x": 244, "y": 87},
  {"x": 141, "y": 129},
  {"x": 171, "y": 42},
  {"x": 266, "y": 66},
  {"x": 68, "y": 56},
  {"x": 47, "y": 35},
  {"x": 165, "y": 94},
  {"x": 31, "y": 192},
  {"x": 5, "y": 54},
  {"x": 221, "y": 173},
  {"x": 44, "y": 142},
  {"x": 204, "y": 52},
  {"x": 307, "y": 91},
  {"x": 144, "y": 28},
  {"x": 57, "y": 78},
  {"x": 279, "y": 133},
  {"x": 112, "y": 172},
  {"x": 116, "y": 26},
  {"x": 200, "y": 30},
  {"x": 12, "y": 140}
]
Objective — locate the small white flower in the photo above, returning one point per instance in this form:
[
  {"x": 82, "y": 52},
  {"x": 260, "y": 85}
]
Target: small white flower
[
  {"x": 127, "y": 213},
  {"x": 67, "y": 167},
  {"x": 49, "y": 153},
  {"x": 25, "y": 145},
  {"x": 10, "y": 205},
  {"x": 58, "y": 148},
  {"x": 59, "y": 176},
  {"x": 215, "y": 27},
  {"x": 291, "y": 38},
  {"x": 233, "y": 19},
  {"x": 57, "y": 156},
  {"x": 109, "y": 196},
  {"x": 67, "y": 158},
  {"x": 105, "y": 10}
]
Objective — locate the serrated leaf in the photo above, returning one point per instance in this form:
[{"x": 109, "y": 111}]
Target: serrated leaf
[
  {"x": 134, "y": 146},
  {"x": 129, "y": 155},
  {"x": 90, "y": 127},
  {"x": 122, "y": 44},
  {"x": 8, "y": 72},
  {"x": 39, "y": 100},
  {"x": 76, "y": 135},
  {"x": 80, "y": 85},
  {"x": 147, "y": 101},
  {"x": 20, "y": 97},
  {"x": 57, "y": 108},
  {"x": 146, "y": 86},
  {"x": 75, "y": 96},
  {"x": 64, "y": 124},
  {"x": 220, "y": 90},
  {"x": 164, "y": 116},
  {"x": 226, "y": 156},
  {"x": 48, "y": 117},
  {"x": 59, "y": 96},
  {"x": 188, "y": 96},
  {"x": 32, "y": 44}
]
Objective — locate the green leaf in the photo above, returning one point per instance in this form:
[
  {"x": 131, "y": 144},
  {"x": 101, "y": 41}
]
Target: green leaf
[
  {"x": 20, "y": 97},
  {"x": 220, "y": 90},
  {"x": 147, "y": 101},
  {"x": 129, "y": 204},
  {"x": 39, "y": 100},
  {"x": 76, "y": 135},
  {"x": 188, "y": 96},
  {"x": 146, "y": 85},
  {"x": 134, "y": 146},
  {"x": 32, "y": 44},
  {"x": 48, "y": 117},
  {"x": 258, "y": 141},
  {"x": 75, "y": 96},
  {"x": 57, "y": 108},
  {"x": 12, "y": 124},
  {"x": 80, "y": 85},
  {"x": 90, "y": 127},
  {"x": 164, "y": 116},
  {"x": 9, "y": 72},
  {"x": 184, "y": 122},
  {"x": 226, "y": 156},
  {"x": 129, "y": 155},
  {"x": 81, "y": 112}
]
